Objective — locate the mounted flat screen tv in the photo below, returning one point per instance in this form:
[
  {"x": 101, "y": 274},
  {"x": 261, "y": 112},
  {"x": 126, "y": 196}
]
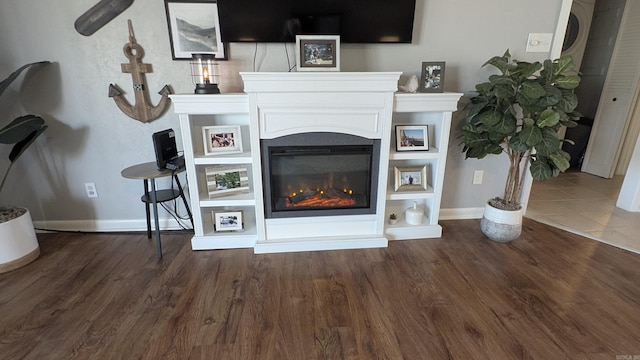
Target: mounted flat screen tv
[{"x": 356, "y": 21}]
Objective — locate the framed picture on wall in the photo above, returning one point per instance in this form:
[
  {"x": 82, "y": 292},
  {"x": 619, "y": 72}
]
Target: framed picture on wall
[
  {"x": 318, "y": 52},
  {"x": 413, "y": 178},
  {"x": 227, "y": 220},
  {"x": 412, "y": 138},
  {"x": 221, "y": 140},
  {"x": 432, "y": 79},
  {"x": 194, "y": 27}
]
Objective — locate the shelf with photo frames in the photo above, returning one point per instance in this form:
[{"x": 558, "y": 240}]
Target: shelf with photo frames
[
  {"x": 432, "y": 112},
  {"x": 212, "y": 239},
  {"x": 203, "y": 117}
]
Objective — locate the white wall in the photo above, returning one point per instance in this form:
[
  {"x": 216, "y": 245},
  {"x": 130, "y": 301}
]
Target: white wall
[{"x": 90, "y": 140}]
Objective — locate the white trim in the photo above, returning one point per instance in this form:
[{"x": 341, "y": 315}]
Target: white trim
[
  {"x": 106, "y": 225},
  {"x": 322, "y": 243},
  {"x": 561, "y": 29},
  {"x": 629, "y": 198},
  {"x": 170, "y": 223},
  {"x": 461, "y": 213}
]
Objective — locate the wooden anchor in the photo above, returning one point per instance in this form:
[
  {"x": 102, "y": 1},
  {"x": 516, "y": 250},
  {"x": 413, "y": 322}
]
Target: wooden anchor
[{"x": 142, "y": 110}]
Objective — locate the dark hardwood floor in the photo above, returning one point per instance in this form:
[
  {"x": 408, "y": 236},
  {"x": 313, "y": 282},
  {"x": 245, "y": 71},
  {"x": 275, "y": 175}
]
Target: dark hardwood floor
[{"x": 548, "y": 295}]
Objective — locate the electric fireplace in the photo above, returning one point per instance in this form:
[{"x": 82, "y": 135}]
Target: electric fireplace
[{"x": 320, "y": 174}]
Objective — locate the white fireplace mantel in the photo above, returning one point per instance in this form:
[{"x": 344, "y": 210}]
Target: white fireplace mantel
[{"x": 278, "y": 104}]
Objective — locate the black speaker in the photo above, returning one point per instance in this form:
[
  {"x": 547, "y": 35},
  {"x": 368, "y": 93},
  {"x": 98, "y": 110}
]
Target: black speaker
[{"x": 164, "y": 143}]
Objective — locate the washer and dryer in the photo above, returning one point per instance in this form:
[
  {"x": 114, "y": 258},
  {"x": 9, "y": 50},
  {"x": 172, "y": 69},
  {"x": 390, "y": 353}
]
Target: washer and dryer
[{"x": 575, "y": 40}]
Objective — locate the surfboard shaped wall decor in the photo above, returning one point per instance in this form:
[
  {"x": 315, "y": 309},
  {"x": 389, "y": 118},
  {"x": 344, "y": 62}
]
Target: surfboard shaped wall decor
[{"x": 99, "y": 15}]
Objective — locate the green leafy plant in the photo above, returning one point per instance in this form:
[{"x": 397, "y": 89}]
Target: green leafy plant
[
  {"x": 22, "y": 131},
  {"x": 519, "y": 112},
  {"x": 393, "y": 217}
]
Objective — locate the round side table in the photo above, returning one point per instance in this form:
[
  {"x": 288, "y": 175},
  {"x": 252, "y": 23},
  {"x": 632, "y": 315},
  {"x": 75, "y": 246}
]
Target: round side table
[{"x": 149, "y": 172}]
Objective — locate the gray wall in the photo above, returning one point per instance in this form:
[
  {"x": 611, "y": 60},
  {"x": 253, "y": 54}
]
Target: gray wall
[{"x": 90, "y": 140}]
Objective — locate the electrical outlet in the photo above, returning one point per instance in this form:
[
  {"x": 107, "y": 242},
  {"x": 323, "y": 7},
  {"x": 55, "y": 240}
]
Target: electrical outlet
[
  {"x": 477, "y": 177},
  {"x": 91, "y": 190}
]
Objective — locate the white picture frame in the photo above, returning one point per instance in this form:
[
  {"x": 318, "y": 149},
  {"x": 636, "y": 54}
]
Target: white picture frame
[
  {"x": 318, "y": 52},
  {"x": 228, "y": 220},
  {"x": 222, "y": 139},
  {"x": 412, "y": 138}
]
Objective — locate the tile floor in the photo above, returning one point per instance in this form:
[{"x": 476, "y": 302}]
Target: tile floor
[{"x": 586, "y": 204}]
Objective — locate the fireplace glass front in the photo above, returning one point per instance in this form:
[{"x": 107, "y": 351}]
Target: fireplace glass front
[{"x": 322, "y": 179}]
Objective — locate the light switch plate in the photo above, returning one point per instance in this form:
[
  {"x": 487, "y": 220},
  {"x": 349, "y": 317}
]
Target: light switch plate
[{"x": 539, "y": 42}]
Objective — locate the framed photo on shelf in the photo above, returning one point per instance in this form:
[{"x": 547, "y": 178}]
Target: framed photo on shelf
[
  {"x": 432, "y": 79},
  {"x": 318, "y": 52},
  {"x": 226, "y": 180},
  {"x": 412, "y": 178},
  {"x": 227, "y": 220},
  {"x": 222, "y": 139},
  {"x": 412, "y": 137},
  {"x": 194, "y": 27}
]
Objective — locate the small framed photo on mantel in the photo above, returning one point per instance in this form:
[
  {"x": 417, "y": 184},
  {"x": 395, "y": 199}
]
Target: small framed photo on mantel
[
  {"x": 412, "y": 137},
  {"x": 318, "y": 52},
  {"x": 432, "y": 79}
]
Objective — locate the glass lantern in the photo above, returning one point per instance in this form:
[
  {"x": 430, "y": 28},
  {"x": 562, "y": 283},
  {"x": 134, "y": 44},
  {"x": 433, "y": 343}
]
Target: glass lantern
[{"x": 205, "y": 74}]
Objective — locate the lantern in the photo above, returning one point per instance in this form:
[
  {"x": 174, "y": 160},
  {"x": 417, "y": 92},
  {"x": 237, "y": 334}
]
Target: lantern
[{"x": 205, "y": 74}]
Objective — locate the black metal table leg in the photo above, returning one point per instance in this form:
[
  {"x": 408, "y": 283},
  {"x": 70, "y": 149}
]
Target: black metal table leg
[
  {"x": 146, "y": 192},
  {"x": 184, "y": 199},
  {"x": 154, "y": 200}
]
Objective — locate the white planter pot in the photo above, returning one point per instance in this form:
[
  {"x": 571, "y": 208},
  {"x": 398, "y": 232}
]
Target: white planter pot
[
  {"x": 501, "y": 225},
  {"x": 18, "y": 243}
]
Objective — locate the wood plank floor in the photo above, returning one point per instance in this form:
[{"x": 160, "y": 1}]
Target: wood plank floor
[{"x": 548, "y": 295}]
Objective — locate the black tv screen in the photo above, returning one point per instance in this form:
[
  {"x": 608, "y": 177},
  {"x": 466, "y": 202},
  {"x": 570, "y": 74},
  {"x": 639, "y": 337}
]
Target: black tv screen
[{"x": 356, "y": 21}]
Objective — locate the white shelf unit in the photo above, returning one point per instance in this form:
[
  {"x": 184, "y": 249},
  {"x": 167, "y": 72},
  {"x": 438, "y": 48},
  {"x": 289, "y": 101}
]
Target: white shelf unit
[
  {"x": 435, "y": 111},
  {"x": 196, "y": 111}
]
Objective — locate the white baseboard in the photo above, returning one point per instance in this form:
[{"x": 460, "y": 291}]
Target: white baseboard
[
  {"x": 171, "y": 224},
  {"x": 461, "y": 214},
  {"x": 107, "y": 225}
]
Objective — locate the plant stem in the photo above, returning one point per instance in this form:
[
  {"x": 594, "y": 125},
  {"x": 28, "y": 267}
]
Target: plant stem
[
  {"x": 513, "y": 186},
  {"x": 4, "y": 178}
]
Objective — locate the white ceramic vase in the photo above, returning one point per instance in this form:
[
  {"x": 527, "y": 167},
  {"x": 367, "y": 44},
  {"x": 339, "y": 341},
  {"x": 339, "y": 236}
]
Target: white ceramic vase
[
  {"x": 501, "y": 225},
  {"x": 414, "y": 215},
  {"x": 18, "y": 243}
]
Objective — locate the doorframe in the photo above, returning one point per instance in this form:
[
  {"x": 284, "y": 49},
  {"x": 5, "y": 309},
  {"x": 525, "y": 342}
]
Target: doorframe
[{"x": 554, "y": 53}]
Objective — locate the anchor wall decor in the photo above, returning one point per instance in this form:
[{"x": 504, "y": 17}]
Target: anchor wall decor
[{"x": 142, "y": 110}]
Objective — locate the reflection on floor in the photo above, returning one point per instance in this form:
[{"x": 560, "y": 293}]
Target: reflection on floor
[{"x": 586, "y": 204}]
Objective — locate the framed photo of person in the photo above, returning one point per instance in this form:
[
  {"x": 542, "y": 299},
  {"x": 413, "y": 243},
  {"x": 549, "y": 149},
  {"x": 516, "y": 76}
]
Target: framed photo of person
[
  {"x": 412, "y": 178},
  {"x": 318, "y": 52},
  {"x": 222, "y": 139},
  {"x": 432, "y": 79},
  {"x": 412, "y": 137}
]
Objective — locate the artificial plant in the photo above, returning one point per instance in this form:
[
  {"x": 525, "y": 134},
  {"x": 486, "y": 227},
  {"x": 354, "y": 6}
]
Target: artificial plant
[
  {"x": 22, "y": 131},
  {"x": 519, "y": 112}
]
